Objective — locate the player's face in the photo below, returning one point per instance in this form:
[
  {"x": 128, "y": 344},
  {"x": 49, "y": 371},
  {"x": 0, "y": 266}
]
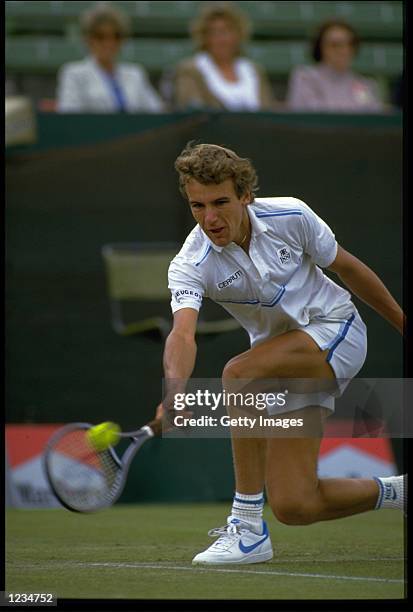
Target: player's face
[{"x": 219, "y": 211}]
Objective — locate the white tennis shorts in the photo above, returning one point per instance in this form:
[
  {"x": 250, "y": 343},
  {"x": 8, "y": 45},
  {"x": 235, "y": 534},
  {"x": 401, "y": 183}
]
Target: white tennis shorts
[{"x": 346, "y": 339}]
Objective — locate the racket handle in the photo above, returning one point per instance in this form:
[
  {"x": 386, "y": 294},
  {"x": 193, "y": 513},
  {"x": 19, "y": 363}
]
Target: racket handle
[
  {"x": 148, "y": 430},
  {"x": 155, "y": 427}
]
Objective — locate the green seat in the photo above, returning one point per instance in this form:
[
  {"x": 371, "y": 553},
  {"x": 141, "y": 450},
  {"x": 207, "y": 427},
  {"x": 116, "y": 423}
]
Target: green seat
[
  {"x": 287, "y": 19},
  {"x": 27, "y": 54},
  {"x": 46, "y": 54},
  {"x": 139, "y": 273}
]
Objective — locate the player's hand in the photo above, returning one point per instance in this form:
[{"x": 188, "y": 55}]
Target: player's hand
[
  {"x": 166, "y": 415},
  {"x": 159, "y": 411}
]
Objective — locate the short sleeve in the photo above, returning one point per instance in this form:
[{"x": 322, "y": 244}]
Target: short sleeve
[
  {"x": 185, "y": 284},
  {"x": 319, "y": 240}
]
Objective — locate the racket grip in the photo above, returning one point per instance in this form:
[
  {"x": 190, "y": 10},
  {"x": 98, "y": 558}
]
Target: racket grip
[
  {"x": 148, "y": 430},
  {"x": 155, "y": 427}
]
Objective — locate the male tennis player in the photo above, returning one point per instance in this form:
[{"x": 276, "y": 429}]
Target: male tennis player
[{"x": 262, "y": 259}]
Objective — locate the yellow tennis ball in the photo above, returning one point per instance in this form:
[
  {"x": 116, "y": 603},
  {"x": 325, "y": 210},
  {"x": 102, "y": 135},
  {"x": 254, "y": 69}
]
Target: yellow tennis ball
[{"x": 104, "y": 435}]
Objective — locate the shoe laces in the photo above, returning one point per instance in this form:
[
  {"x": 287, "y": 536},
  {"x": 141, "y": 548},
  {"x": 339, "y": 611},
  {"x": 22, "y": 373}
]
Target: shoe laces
[{"x": 227, "y": 536}]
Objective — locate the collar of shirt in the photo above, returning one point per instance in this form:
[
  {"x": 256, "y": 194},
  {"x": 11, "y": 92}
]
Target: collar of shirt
[
  {"x": 257, "y": 228},
  {"x": 112, "y": 80},
  {"x": 117, "y": 68}
]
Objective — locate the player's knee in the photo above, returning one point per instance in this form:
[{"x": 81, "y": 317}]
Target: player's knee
[
  {"x": 235, "y": 368},
  {"x": 294, "y": 511},
  {"x": 246, "y": 366}
]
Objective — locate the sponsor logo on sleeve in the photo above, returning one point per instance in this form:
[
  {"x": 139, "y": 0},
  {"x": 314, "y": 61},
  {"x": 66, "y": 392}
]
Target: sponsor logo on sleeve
[{"x": 184, "y": 294}]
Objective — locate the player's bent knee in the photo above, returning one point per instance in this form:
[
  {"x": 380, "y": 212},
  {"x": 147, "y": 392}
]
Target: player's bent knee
[
  {"x": 235, "y": 369},
  {"x": 246, "y": 366},
  {"x": 294, "y": 512}
]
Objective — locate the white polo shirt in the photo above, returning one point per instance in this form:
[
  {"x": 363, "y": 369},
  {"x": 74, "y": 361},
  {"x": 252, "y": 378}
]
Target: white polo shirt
[{"x": 279, "y": 286}]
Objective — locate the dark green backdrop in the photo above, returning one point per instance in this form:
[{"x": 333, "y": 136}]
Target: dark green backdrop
[{"x": 98, "y": 179}]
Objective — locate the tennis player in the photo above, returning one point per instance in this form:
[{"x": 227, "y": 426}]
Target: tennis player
[{"x": 262, "y": 259}]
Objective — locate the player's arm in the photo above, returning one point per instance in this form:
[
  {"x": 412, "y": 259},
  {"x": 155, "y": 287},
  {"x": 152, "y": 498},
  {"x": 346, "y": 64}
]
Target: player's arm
[
  {"x": 180, "y": 347},
  {"x": 179, "y": 355},
  {"x": 367, "y": 286}
]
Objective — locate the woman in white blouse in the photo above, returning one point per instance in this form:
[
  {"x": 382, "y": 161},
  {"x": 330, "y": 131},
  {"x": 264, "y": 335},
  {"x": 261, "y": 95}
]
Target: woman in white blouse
[
  {"x": 331, "y": 85},
  {"x": 98, "y": 83},
  {"x": 217, "y": 77}
]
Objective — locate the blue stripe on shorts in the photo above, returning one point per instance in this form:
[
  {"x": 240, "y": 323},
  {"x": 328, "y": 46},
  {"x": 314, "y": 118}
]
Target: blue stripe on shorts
[{"x": 340, "y": 337}]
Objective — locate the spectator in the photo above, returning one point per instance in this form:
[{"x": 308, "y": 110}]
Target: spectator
[
  {"x": 397, "y": 92},
  {"x": 216, "y": 77},
  {"x": 331, "y": 85},
  {"x": 98, "y": 84},
  {"x": 10, "y": 87}
]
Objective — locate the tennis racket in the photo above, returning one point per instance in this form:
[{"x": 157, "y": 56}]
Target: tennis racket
[{"x": 83, "y": 478}]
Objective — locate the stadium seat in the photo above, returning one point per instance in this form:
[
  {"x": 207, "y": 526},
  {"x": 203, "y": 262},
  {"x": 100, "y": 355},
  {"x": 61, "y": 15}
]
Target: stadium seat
[
  {"x": 138, "y": 272},
  {"x": 20, "y": 121},
  {"x": 382, "y": 20},
  {"x": 45, "y": 55}
]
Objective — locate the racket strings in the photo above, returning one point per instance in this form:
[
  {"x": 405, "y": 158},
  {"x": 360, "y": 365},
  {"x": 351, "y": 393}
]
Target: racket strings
[
  {"x": 76, "y": 446},
  {"x": 112, "y": 472},
  {"x": 84, "y": 478}
]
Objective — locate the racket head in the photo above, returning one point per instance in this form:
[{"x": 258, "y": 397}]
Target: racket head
[{"x": 82, "y": 478}]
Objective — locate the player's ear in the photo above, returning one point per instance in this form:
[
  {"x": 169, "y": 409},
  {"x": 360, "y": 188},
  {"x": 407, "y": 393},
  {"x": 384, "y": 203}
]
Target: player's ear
[{"x": 247, "y": 198}]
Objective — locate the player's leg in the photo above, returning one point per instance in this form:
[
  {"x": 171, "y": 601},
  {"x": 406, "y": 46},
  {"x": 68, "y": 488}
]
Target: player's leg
[
  {"x": 295, "y": 493},
  {"x": 245, "y": 524},
  {"x": 291, "y": 355},
  {"x": 296, "y": 355},
  {"x": 249, "y": 455}
]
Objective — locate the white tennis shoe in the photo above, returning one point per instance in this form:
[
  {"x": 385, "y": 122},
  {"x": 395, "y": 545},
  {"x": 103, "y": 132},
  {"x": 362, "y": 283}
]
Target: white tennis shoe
[{"x": 237, "y": 544}]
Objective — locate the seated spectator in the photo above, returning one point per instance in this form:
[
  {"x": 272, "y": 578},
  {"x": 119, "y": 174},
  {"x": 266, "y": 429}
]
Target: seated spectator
[
  {"x": 331, "y": 85},
  {"x": 397, "y": 92},
  {"x": 98, "y": 83},
  {"x": 216, "y": 77}
]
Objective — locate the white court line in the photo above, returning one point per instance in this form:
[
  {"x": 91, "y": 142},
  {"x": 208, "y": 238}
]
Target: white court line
[
  {"x": 274, "y": 561},
  {"x": 222, "y": 570},
  {"x": 242, "y": 571}
]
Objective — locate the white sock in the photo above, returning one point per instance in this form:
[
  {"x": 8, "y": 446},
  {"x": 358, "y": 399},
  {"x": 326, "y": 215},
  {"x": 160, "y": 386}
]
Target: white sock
[
  {"x": 248, "y": 508},
  {"x": 392, "y": 493}
]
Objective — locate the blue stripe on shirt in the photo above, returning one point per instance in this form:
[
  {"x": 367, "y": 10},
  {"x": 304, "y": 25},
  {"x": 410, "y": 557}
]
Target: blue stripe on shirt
[
  {"x": 205, "y": 255},
  {"x": 280, "y": 213},
  {"x": 277, "y": 297}
]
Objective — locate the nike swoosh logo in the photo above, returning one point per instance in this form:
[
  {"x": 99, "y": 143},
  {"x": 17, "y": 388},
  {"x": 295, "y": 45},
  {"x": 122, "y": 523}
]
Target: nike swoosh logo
[{"x": 251, "y": 547}]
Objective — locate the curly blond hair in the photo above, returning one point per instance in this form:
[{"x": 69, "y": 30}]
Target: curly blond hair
[
  {"x": 102, "y": 13},
  {"x": 212, "y": 164},
  {"x": 222, "y": 10}
]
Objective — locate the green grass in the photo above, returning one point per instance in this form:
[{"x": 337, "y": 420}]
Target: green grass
[{"x": 145, "y": 551}]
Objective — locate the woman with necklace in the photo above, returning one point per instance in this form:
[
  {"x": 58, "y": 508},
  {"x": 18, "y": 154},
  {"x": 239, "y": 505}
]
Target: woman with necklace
[{"x": 217, "y": 77}]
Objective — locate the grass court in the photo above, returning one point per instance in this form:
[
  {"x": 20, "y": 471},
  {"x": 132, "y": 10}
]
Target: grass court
[{"x": 145, "y": 552}]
